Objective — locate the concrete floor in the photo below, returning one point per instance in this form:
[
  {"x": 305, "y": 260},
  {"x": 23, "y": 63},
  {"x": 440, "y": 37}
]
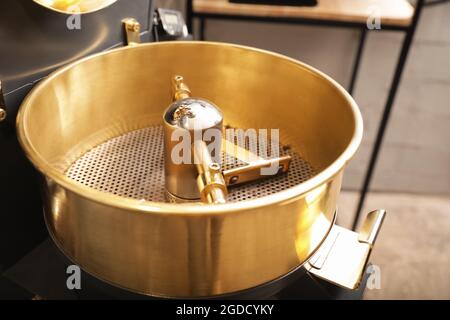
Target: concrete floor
[{"x": 413, "y": 248}]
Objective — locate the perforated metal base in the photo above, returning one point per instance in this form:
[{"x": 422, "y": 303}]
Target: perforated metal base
[{"x": 132, "y": 165}]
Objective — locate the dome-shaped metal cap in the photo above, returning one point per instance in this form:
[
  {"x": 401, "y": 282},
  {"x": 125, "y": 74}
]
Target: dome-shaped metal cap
[{"x": 193, "y": 114}]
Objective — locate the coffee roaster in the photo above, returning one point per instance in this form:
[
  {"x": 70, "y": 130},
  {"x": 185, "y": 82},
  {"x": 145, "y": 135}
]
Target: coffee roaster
[{"x": 157, "y": 172}]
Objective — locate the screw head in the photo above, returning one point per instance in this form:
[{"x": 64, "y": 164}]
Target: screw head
[
  {"x": 214, "y": 167},
  {"x": 234, "y": 179}
]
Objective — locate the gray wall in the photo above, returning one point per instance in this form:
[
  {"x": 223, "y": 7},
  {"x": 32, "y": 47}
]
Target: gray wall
[{"x": 416, "y": 152}]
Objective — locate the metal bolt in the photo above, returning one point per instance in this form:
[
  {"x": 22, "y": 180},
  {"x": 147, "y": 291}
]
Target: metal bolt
[
  {"x": 214, "y": 167},
  {"x": 234, "y": 179}
]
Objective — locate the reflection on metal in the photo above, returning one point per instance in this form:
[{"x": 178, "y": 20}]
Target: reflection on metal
[
  {"x": 132, "y": 31},
  {"x": 343, "y": 257},
  {"x": 210, "y": 181},
  {"x": 194, "y": 116},
  {"x": 96, "y": 42},
  {"x": 2, "y": 104},
  {"x": 199, "y": 176},
  {"x": 75, "y": 6},
  {"x": 180, "y": 89},
  {"x": 253, "y": 170}
]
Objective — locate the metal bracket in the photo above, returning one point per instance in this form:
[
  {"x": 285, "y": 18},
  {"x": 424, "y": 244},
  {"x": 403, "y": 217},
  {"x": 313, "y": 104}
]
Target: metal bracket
[
  {"x": 132, "y": 31},
  {"x": 252, "y": 170},
  {"x": 343, "y": 257},
  {"x": 3, "y": 113}
]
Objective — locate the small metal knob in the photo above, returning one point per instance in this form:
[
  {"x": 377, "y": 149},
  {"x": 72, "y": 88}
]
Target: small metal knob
[{"x": 193, "y": 114}]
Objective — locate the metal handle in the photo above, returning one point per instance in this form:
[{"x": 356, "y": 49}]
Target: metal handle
[
  {"x": 343, "y": 257},
  {"x": 210, "y": 181}
]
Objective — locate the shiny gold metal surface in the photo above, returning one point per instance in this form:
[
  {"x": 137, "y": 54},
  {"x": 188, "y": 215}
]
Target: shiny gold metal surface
[
  {"x": 252, "y": 171},
  {"x": 180, "y": 89},
  {"x": 194, "y": 116},
  {"x": 188, "y": 250},
  {"x": 75, "y": 6},
  {"x": 210, "y": 181},
  {"x": 370, "y": 229},
  {"x": 132, "y": 30},
  {"x": 186, "y": 122},
  {"x": 343, "y": 258}
]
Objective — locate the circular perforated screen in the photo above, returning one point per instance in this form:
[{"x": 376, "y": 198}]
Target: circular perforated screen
[{"x": 132, "y": 165}]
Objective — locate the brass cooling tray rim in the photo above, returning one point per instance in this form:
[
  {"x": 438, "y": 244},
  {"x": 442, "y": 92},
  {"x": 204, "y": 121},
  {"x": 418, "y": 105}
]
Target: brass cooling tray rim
[{"x": 138, "y": 206}]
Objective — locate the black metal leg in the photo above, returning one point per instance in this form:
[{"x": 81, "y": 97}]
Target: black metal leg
[
  {"x": 362, "y": 41},
  {"x": 202, "y": 28},
  {"x": 387, "y": 109},
  {"x": 189, "y": 15}
]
